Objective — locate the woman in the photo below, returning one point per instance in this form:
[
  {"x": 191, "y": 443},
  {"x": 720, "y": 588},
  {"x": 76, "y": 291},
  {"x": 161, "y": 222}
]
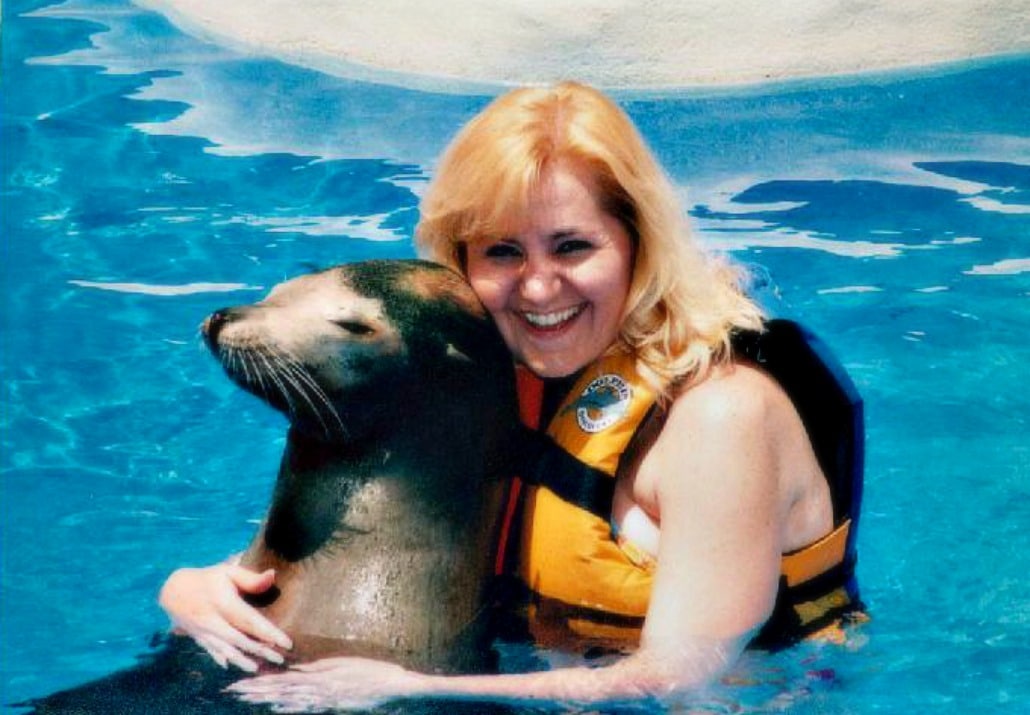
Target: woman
[{"x": 569, "y": 232}]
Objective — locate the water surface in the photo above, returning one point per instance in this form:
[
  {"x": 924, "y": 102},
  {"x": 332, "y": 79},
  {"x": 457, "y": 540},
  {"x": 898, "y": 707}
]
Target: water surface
[{"x": 149, "y": 178}]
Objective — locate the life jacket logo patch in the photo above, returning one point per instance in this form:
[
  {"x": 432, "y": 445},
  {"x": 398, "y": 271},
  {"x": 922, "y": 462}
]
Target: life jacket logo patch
[{"x": 604, "y": 402}]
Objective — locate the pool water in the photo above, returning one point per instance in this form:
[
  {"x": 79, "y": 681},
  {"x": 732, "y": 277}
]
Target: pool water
[{"x": 149, "y": 178}]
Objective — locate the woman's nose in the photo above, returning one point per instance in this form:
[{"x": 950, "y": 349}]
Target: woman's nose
[{"x": 540, "y": 280}]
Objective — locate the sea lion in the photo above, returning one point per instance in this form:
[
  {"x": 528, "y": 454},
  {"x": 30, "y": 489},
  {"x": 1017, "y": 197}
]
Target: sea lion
[
  {"x": 403, "y": 422},
  {"x": 402, "y": 411}
]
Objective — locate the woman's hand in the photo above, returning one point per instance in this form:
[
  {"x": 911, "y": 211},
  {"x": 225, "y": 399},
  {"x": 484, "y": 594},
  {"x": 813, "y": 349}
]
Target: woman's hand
[
  {"x": 332, "y": 683},
  {"x": 207, "y": 605}
]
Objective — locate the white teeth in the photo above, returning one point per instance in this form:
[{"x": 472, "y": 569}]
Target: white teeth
[{"x": 549, "y": 320}]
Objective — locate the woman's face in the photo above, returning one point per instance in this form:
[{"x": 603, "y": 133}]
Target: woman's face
[{"x": 557, "y": 287}]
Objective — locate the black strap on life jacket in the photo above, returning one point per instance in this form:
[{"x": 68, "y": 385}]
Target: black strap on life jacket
[
  {"x": 826, "y": 400},
  {"x": 543, "y": 462}
]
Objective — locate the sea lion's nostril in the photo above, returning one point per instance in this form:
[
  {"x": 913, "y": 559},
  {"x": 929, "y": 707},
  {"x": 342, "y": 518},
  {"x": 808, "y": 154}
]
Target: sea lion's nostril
[{"x": 213, "y": 325}]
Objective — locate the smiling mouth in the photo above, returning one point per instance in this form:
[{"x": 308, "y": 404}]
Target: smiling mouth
[{"x": 552, "y": 321}]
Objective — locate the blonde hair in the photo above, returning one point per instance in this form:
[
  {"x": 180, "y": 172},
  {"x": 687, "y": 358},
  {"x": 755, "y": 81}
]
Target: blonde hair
[{"x": 683, "y": 303}]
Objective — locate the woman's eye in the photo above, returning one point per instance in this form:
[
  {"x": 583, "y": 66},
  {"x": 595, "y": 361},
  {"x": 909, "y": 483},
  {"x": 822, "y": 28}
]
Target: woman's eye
[
  {"x": 502, "y": 250},
  {"x": 573, "y": 245}
]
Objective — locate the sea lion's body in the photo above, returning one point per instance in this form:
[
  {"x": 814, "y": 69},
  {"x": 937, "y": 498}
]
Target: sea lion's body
[
  {"x": 384, "y": 516},
  {"x": 383, "y": 521}
]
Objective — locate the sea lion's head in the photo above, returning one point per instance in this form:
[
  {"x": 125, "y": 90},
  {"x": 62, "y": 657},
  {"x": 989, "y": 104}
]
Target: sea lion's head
[{"x": 342, "y": 350}]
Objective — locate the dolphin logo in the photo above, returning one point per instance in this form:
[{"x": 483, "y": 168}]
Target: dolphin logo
[{"x": 602, "y": 403}]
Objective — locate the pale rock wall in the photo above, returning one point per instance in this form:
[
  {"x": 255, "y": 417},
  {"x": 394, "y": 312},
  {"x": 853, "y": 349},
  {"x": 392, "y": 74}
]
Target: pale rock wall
[{"x": 611, "y": 43}]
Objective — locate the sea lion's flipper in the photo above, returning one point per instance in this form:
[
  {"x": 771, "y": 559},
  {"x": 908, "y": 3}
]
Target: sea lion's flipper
[{"x": 176, "y": 678}]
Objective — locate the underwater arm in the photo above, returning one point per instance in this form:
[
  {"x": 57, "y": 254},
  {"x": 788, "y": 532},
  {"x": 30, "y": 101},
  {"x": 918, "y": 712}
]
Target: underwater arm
[{"x": 358, "y": 683}]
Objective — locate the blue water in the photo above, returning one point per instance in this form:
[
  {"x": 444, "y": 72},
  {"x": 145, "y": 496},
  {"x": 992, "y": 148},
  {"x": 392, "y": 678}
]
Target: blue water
[{"x": 149, "y": 178}]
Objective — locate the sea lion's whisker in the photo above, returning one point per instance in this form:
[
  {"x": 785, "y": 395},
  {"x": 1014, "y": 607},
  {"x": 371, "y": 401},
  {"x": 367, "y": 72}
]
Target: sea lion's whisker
[
  {"x": 296, "y": 368},
  {"x": 253, "y": 375},
  {"x": 285, "y": 379},
  {"x": 268, "y": 389},
  {"x": 305, "y": 386},
  {"x": 230, "y": 359},
  {"x": 238, "y": 363},
  {"x": 302, "y": 381},
  {"x": 294, "y": 386},
  {"x": 239, "y": 369},
  {"x": 274, "y": 376}
]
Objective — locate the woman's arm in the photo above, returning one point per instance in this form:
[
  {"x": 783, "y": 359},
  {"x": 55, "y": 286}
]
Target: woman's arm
[
  {"x": 716, "y": 580},
  {"x": 722, "y": 509},
  {"x": 360, "y": 684},
  {"x": 207, "y": 605}
]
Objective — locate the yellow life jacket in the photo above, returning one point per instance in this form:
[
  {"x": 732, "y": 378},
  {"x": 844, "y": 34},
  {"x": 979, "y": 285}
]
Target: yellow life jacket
[{"x": 568, "y": 555}]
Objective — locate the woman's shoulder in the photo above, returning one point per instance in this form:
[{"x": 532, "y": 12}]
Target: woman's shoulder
[
  {"x": 720, "y": 450},
  {"x": 728, "y": 423},
  {"x": 739, "y": 424},
  {"x": 734, "y": 395}
]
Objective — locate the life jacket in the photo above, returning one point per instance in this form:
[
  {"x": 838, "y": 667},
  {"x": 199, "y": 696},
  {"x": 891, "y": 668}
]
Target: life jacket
[{"x": 582, "y": 580}]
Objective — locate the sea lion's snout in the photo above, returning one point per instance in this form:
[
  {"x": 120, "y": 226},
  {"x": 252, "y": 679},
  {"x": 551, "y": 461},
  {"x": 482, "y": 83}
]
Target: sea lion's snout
[
  {"x": 214, "y": 323},
  {"x": 211, "y": 326},
  {"x": 312, "y": 348},
  {"x": 348, "y": 352}
]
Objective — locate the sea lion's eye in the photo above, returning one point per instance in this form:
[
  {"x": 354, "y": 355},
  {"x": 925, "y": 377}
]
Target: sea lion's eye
[{"x": 355, "y": 327}]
